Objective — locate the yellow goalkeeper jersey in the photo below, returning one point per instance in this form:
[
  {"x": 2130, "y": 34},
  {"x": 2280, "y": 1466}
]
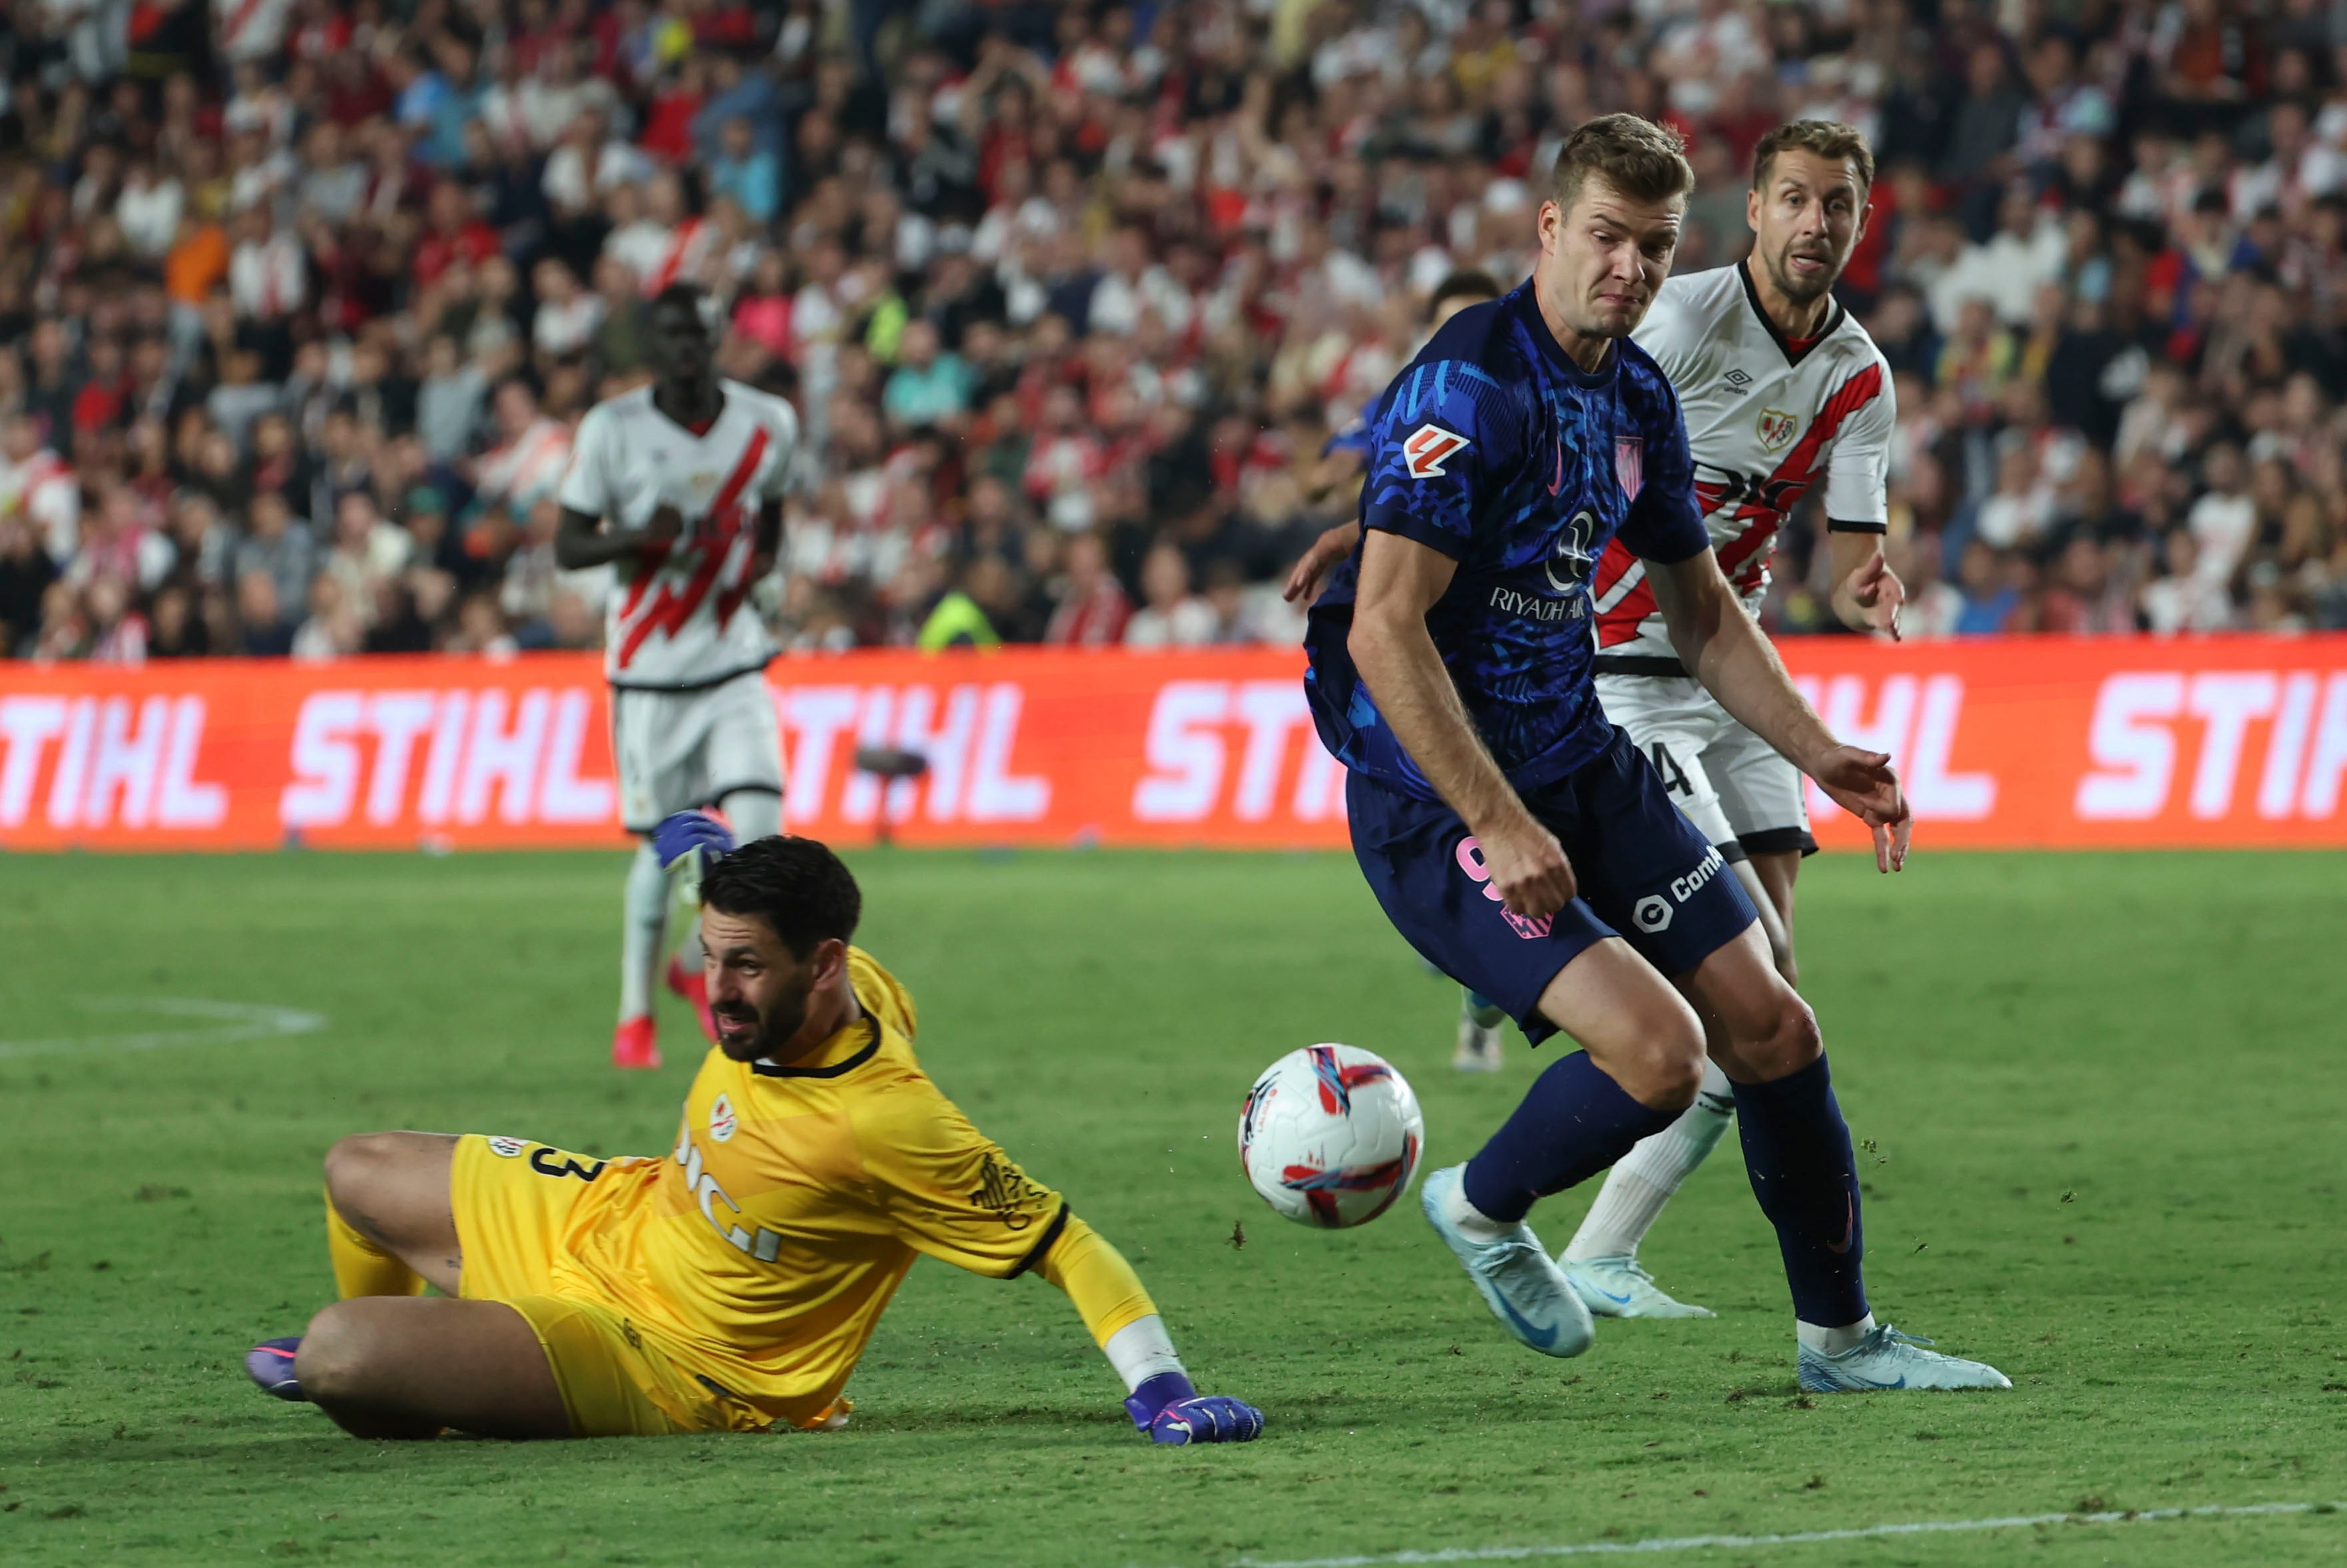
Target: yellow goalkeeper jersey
[{"x": 760, "y": 1253}]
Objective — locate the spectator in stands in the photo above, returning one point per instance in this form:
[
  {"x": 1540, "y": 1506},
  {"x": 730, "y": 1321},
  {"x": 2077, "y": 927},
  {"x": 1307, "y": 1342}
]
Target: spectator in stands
[
  {"x": 1170, "y": 615},
  {"x": 1136, "y": 265}
]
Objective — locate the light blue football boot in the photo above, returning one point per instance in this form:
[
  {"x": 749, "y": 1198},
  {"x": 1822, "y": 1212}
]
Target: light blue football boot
[
  {"x": 1887, "y": 1360},
  {"x": 1620, "y": 1287},
  {"x": 1525, "y": 1289}
]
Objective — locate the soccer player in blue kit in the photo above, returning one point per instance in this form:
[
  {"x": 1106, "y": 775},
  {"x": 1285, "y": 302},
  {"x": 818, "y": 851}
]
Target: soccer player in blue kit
[{"x": 1518, "y": 839}]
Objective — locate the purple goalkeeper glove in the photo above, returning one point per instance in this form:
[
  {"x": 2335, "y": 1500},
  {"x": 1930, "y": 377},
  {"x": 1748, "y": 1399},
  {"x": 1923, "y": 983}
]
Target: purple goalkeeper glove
[
  {"x": 1171, "y": 1411},
  {"x": 679, "y": 836}
]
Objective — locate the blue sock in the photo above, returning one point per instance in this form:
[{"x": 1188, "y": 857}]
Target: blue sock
[
  {"x": 1574, "y": 1123},
  {"x": 1797, "y": 1151}
]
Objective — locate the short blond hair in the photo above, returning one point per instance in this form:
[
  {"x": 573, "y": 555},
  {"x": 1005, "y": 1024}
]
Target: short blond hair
[
  {"x": 1828, "y": 139},
  {"x": 1641, "y": 159}
]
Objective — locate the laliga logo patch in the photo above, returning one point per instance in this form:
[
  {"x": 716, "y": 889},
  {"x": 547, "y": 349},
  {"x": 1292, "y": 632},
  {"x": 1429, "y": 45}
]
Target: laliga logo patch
[
  {"x": 1429, "y": 447},
  {"x": 509, "y": 1148},
  {"x": 1775, "y": 427},
  {"x": 721, "y": 1120},
  {"x": 1652, "y": 912}
]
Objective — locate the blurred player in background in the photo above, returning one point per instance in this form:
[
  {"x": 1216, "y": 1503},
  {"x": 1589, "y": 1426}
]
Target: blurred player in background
[
  {"x": 1346, "y": 455},
  {"x": 1516, "y": 837},
  {"x": 732, "y": 1284},
  {"x": 1777, "y": 383},
  {"x": 688, "y": 473}
]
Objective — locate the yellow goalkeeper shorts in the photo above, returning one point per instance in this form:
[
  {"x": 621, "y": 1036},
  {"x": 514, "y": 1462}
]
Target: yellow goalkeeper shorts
[{"x": 512, "y": 1200}]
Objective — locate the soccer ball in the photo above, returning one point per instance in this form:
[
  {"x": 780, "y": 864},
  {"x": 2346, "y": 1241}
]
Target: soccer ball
[{"x": 1330, "y": 1135}]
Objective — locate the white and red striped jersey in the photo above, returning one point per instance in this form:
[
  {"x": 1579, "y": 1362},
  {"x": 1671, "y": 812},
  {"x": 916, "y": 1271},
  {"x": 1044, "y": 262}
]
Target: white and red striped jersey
[
  {"x": 252, "y": 29},
  {"x": 659, "y": 255},
  {"x": 1764, "y": 419},
  {"x": 678, "y": 620},
  {"x": 45, "y": 490},
  {"x": 527, "y": 469}
]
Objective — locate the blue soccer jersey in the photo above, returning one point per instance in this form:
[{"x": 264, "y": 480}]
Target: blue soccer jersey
[
  {"x": 1495, "y": 449},
  {"x": 1356, "y": 436}
]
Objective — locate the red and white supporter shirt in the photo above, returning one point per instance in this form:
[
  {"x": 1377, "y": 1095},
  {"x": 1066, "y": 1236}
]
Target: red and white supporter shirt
[
  {"x": 678, "y": 620},
  {"x": 1765, "y": 419}
]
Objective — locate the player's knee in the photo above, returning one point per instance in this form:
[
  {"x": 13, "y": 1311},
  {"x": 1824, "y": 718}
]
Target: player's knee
[
  {"x": 334, "y": 1360},
  {"x": 356, "y": 1165},
  {"x": 1793, "y": 1040},
  {"x": 1665, "y": 1071}
]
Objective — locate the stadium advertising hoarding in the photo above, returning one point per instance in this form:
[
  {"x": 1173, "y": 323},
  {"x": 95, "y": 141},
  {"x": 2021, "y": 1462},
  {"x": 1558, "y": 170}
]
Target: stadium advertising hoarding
[{"x": 2012, "y": 743}]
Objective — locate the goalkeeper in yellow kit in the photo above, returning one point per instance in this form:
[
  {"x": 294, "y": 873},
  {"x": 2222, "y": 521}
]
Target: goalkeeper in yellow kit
[{"x": 730, "y": 1285}]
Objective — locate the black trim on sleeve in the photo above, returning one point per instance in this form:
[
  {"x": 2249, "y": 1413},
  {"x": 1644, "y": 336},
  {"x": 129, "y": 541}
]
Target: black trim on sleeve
[
  {"x": 1638, "y": 664},
  {"x": 1035, "y": 1254},
  {"x": 1778, "y": 841},
  {"x": 1840, "y": 526},
  {"x": 768, "y": 1070},
  {"x": 1833, "y": 322},
  {"x": 1733, "y": 851}
]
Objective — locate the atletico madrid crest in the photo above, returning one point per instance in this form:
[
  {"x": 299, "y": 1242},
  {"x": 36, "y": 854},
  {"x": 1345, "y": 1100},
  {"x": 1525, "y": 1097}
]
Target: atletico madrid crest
[{"x": 1630, "y": 464}]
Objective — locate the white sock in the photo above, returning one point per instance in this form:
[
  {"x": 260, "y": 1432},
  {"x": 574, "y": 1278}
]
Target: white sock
[
  {"x": 1488, "y": 1015},
  {"x": 753, "y": 814},
  {"x": 643, "y": 943},
  {"x": 1473, "y": 1223},
  {"x": 1141, "y": 1350},
  {"x": 1636, "y": 1189},
  {"x": 1833, "y": 1341}
]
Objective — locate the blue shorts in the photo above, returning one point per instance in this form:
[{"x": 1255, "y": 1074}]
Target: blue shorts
[{"x": 1646, "y": 875}]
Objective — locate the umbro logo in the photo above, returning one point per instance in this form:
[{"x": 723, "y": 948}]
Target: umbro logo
[{"x": 1737, "y": 382}]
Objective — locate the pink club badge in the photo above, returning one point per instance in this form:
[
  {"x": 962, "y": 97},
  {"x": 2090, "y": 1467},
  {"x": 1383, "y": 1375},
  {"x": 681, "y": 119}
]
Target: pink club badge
[{"x": 1630, "y": 463}]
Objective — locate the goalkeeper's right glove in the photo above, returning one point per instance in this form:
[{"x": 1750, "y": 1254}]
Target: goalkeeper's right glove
[
  {"x": 1171, "y": 1411},
  {"x": 688, "y": 844},
  {"x": 679, "y": 836}
]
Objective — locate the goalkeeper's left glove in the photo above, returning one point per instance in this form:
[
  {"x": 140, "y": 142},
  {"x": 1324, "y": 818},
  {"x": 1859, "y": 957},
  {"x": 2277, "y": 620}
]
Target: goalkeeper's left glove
[{"x": 1171, "y": 1411}]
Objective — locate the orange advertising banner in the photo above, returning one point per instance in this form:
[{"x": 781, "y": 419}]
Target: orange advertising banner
[{"x": 2007, "y": 744}]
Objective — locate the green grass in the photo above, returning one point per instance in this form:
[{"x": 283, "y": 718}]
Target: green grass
[{"x": 2102, "y": 1093}]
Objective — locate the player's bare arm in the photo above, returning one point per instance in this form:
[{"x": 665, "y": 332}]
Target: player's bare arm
[
  {"x": 1310, "y": 575},
  {"x": 581, "y": 541},
  {"x": 1867, "y": 594},
  {"x": 1401, "y": 581},
  {"x": 1722, "y": 648},
  {"x": 769, "y": 546}
]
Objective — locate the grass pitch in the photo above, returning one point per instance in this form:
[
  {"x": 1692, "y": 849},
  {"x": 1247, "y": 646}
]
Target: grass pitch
[{"x": 2099, "y": 1096}]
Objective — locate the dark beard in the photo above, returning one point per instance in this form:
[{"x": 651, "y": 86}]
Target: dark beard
[
  {"x": 774, "y": 1031},
  {"x": 1798, "y": 293}
]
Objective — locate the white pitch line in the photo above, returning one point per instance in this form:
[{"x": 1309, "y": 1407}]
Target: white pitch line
[
  {"x": 1798, "y": 1538},
  {"x": 236, "y": 1020}
]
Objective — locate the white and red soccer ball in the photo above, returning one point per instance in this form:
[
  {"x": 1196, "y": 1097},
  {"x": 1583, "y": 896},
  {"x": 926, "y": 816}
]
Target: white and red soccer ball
[{"x": 1330, "y": 1135}]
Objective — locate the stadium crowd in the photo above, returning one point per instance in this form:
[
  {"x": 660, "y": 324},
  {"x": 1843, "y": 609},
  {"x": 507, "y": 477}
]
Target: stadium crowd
[{"x": 303, "y": 298}]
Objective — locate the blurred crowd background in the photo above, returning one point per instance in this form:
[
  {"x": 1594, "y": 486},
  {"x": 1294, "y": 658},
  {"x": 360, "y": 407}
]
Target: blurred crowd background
[{"x": 299, "y": 299}]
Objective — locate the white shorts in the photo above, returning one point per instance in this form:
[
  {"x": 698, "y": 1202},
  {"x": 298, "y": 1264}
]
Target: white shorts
[
  {"x": 679, "y": 751},
  {"x": 1731, "y": 784}
]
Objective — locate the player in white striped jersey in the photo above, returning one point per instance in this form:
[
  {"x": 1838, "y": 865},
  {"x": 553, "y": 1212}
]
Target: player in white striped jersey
[
  {"x": 1780, "y": 390},
  {"x": 689, "y": 475},
  {"x": 1783, "y": 392}
]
